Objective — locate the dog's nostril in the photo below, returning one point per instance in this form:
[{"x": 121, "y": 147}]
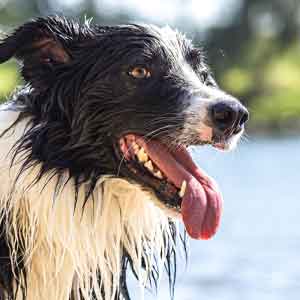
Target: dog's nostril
[
  {"x": 244, "y": 116},
  {"x": 223, "y": 115}
]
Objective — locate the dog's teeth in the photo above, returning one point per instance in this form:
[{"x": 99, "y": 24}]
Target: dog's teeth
[
  {"x": 142, "y": 155},
  {"x": 182, "y": 189},
  {"x": 158, "y": 174},
  {"x": 149, "y": 165}
]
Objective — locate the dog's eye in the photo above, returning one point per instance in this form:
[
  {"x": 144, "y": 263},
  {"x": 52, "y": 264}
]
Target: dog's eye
[{"x": 139, "y": 72}]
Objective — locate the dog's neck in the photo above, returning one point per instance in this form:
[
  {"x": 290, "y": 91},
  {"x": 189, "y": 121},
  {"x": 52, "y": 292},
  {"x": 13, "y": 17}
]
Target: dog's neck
[{"x": 65, "y": 247}]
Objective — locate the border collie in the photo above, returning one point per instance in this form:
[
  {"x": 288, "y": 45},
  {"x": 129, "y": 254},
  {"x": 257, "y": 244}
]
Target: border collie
[{"x": 95, "y": 172}]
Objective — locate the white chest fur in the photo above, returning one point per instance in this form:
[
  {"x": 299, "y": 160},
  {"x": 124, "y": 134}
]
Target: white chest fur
[{"x": 64, "y": 249}]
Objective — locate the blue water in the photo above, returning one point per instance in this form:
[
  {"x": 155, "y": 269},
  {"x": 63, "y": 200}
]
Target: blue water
[{"x": 256, "y": 253}]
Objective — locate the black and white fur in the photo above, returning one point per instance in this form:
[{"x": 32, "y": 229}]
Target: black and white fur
[{"x": 72, "y": 216}]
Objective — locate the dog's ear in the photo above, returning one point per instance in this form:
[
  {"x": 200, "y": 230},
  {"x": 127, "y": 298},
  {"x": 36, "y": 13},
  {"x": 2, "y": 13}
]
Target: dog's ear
[{"x": 41, "y": 45}]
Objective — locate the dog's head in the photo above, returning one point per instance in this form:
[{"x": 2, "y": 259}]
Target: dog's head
[{"x": 126, "y": 101}]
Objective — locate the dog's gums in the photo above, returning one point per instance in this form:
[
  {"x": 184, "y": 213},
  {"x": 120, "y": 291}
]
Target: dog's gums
[{"x": 177, "y": 181}]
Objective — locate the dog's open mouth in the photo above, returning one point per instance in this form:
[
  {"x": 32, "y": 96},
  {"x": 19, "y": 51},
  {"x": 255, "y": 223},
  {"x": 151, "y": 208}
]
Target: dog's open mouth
[{"x": 177, "y": 181}]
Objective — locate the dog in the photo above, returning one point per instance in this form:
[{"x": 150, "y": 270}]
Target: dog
[{"x": 95, "y": 172}]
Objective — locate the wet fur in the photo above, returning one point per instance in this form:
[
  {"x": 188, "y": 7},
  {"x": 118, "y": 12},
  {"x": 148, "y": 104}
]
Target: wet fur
[
  {"x": 72, "y": 217},
  {"x": 69, "y": 227},
  {"x": 56, "y": 249}
]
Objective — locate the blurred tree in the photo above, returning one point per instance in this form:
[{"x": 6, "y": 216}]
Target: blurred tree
[{"x": 257, "y": 58}]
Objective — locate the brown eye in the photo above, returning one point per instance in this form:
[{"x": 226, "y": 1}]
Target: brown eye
[{"x": 140, "y": 73}]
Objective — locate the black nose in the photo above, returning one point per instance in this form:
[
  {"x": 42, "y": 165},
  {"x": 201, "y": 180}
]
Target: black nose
[{"x": 229, "y": 115}]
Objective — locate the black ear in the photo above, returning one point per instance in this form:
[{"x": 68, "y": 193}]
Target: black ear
[{"x": 41, "y": 45}]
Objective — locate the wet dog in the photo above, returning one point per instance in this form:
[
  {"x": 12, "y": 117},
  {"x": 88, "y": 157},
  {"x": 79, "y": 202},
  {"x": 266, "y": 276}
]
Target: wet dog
[{"x": 95, "y": 170}]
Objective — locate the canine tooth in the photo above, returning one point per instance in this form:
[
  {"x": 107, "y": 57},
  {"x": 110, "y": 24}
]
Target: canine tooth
[
  {"x": 142, "y": 155},
  {"x": 149, "y": 165},
  {"x": 158, "y": 174},
  {"x": 182, "y": 189}
]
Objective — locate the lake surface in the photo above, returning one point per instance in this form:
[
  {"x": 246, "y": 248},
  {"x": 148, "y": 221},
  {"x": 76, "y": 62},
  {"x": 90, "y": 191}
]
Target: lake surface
[{"x": 256, "y": 252}]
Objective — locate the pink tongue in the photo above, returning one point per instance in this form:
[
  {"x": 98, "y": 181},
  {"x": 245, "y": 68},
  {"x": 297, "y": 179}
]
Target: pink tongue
[{"x": 202, "y": 203}]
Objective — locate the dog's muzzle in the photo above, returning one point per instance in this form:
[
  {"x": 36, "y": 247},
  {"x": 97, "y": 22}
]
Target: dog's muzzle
[{"x": 228, "y": 116}]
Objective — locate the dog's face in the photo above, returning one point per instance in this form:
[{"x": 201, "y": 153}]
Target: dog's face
[{"x": 127, "y": 101}]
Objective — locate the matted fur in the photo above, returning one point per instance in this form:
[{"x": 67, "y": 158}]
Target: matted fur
[{"x": 65, "y": 247}]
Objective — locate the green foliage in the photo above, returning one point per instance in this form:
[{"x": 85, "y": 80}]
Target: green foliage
[
  {"x": 283, "y": 72},
  {"x": 269, "y": 79},
  {"x": 9, "y": 79},
  {"x": 277, "y": 107},
  {"x": 238, "y": 81}
]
